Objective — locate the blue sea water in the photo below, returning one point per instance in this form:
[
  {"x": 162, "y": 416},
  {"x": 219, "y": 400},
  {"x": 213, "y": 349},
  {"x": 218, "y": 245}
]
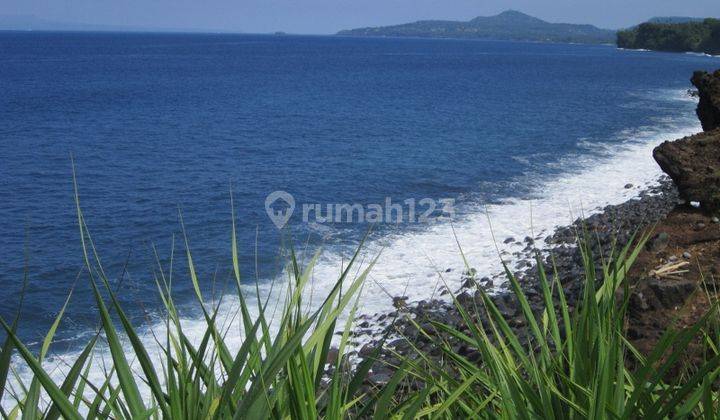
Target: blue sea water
[{"x": 162, "y": 123}]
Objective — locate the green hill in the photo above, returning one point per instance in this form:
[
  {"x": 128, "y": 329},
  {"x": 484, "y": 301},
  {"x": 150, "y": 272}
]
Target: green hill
[
  {"x": 509, "y": 25},
  {"x": 702, "y": 36}
]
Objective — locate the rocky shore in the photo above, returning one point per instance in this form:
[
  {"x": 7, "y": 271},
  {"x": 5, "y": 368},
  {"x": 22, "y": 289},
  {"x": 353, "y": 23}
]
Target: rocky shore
[
  {"x": 614, "y": 225},
  {"x": 682, "y": 253}
]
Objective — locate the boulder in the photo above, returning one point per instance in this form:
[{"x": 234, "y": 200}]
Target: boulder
[
  {"x": 669, "y": 294},
  {"x": 709, "y": 93},
  {"x": 693, "y": 163}
]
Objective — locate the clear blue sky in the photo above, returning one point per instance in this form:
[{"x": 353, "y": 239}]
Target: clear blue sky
[{"x": 329, "y": 16}]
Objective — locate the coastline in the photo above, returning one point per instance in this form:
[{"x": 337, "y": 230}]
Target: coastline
[
  {"x": 417, "y": 265},
  {"x": 671, "y": 283},
  {"x": 593, "y": 181},
  {"x": 615, "y": 224}
]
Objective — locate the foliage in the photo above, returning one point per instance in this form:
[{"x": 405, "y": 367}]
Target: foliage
[
  {"x": 575, "y": 364},
  {"x": 280, "y": 374},
  {"x": 695, "y": 36}
]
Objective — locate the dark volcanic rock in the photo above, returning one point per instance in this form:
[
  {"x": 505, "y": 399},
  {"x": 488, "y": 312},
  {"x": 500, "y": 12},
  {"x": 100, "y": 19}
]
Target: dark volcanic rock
[
  {"x": 668, "y": 295},
  {"x": 709, "y": 92},
  {"x": 693, "y": 163}
]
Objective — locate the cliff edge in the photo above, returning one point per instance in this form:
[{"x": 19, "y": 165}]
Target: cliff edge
[{"x": 693, "y": 162}]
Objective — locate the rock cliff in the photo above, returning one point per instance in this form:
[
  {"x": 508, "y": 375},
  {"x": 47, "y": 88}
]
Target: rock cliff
[
  {"x": 709, "y": 107},
  {"x": 693, "y": 162}
]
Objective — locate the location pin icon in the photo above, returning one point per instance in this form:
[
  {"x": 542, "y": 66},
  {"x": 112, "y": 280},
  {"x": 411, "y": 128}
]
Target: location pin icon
[{"x": 279, "y": 206}]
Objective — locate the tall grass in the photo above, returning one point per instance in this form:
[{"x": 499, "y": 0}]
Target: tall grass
[
  {"x": 279, "y": 370},
  {"x": 575, "y": 364}
]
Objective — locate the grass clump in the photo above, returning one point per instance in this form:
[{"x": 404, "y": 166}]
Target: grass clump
[
  {"x": 577, "y": 363},
  {"x": 279, "y": 371}
]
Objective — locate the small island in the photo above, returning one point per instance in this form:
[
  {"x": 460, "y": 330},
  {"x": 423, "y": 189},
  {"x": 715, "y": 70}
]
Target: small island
[
  {"x": 673, "y": 35},
  {"x": 507, "y": 26}
]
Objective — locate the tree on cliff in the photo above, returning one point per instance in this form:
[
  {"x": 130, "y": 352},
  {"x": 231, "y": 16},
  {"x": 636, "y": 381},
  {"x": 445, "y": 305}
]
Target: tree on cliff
[{"x": 702, "y": 37}]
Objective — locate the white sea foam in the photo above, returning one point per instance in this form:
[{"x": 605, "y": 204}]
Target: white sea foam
[
  {"x": 701, "y": 54},
  {"x": 634, "y": 49},
  {"x": 414, "y": 264}
]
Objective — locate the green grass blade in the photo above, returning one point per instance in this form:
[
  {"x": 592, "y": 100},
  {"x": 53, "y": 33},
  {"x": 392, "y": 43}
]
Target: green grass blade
[
  {"x": 31, "y": 409},
  {"x": 71, "y": 378},
  {"x": 57, "y": 396}
]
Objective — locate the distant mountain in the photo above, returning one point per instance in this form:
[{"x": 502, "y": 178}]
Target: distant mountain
[
  {"x": 697, "y": 35},
  {"x": 509, "y": 25}
]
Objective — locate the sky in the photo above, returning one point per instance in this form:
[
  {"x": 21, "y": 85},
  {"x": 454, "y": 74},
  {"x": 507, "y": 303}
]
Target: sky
[{"x": 330, "y": 16}]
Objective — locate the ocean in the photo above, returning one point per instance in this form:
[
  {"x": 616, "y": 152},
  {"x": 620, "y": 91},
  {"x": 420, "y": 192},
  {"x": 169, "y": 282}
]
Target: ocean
[{"x": 519, "y": 137}]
